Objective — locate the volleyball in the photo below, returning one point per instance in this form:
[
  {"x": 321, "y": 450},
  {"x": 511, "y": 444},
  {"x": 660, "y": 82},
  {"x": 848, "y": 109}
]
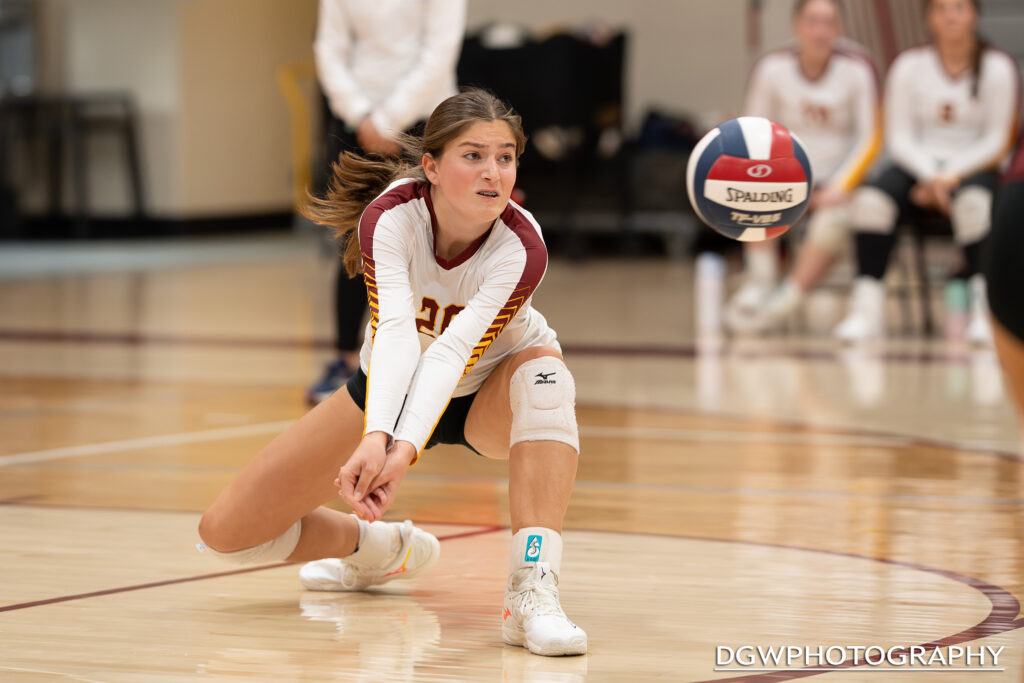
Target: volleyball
[{"x": 749, "y": 179}]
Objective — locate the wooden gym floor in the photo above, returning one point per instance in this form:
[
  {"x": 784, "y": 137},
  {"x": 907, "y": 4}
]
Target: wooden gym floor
[{"x": 767, "y": 493}]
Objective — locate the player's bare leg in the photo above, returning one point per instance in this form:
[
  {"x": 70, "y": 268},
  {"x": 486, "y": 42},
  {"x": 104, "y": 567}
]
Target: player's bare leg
[
  {"x": 523, "y": 412},
  {"x": 271, "y": 510}
]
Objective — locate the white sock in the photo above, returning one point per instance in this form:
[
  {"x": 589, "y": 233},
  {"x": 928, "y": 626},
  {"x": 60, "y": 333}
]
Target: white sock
[
  {"x": 762, "y": 262},
  {"x": 534, "y": 544},
  {"x": 378, "y": 543}
]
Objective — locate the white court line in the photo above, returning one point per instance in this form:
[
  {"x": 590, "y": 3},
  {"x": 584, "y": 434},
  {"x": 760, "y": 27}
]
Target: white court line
[
  {"x": 144, "y": 442},
  {"x": 649, "y": 434},
  {"x": 73, "y": 677}
]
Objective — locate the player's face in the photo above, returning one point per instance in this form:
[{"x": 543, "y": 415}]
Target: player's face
[
  {"x": 477, "y": 171},
  {"x": 817, "y": 27},
  {"x": 952, "y": 20}
]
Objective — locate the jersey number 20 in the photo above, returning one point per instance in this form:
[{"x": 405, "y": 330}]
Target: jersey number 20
[{"x": 428, "y": 324}]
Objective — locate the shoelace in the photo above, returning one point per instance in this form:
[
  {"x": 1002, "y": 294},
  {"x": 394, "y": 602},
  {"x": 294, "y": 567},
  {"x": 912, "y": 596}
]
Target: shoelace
[{"x": 538, "y": 599}]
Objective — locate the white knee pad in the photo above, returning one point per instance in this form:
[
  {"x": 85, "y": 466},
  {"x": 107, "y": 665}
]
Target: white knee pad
[
  {"x": 872, "y": 210},
  {"x": 543, "y": 398},
  {"x": 829, "y": 228},
  {"x": 971, "y": 214},
  {"x": 276, "y": 550}
]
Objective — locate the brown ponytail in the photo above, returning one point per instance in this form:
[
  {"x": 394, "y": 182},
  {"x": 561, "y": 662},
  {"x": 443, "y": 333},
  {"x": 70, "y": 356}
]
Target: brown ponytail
[
  {"x": 357, "y": 180},
  {"x": 980, "y": 45}
]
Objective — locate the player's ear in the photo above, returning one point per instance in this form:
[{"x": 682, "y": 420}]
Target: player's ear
[{"x": 430, "y": 168}]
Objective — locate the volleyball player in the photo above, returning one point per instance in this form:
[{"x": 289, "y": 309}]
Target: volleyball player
[
  {"x": 383, "y": 66},
  {"x": 951, "y": 110},
  {"x": 453, "y": 353},
  {"x": 825, "y": 90}
]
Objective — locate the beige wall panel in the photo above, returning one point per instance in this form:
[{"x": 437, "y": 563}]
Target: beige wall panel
[{"x": 234, "y": 125}]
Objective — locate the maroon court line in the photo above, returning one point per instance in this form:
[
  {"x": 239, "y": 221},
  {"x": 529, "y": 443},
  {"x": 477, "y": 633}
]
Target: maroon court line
[
  {"x": 201, "y": 577},
  {"x": 999, "y": 620},
  {"x": 138, "y": 339},
  {"x": 649, "y": 351},
  {"x": 20, "y": 500}
]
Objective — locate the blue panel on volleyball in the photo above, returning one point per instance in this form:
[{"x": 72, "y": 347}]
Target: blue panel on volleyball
[{"x": 749, "y": 179}]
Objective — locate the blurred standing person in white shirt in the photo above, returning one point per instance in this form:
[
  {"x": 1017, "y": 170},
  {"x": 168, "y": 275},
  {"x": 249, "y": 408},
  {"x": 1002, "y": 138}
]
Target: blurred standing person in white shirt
[{"x": 383, "y": 66}]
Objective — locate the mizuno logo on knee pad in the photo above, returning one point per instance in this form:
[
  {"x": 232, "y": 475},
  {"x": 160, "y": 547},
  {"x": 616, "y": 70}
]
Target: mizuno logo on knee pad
[{"x": 542, "y": 395}]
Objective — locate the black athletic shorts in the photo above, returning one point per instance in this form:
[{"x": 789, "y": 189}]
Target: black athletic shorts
[
  {"x": 451, "y": 428},
  {"x": 897, "y": 183},
  {"x": 1004, "y": 259}
]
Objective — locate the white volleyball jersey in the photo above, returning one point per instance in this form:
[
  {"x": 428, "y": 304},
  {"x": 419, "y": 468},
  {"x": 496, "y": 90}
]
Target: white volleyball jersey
[
  {"x": 935, "y": 125},
  {"x": 836, "y": 116},
  {"x": 439, "y": 327}
]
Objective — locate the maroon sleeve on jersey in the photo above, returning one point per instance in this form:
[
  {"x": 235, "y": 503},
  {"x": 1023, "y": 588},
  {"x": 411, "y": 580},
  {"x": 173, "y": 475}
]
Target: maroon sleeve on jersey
[
  {"x": 533, "y": 271},
  {"x": 367, "y": 224}
]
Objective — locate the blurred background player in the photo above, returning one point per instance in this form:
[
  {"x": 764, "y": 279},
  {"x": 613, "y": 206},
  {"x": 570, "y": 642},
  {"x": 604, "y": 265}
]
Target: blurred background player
[
  {"x": 825, "y": 90},
  {"x": 951, "y": 113},
  {"x": 383, "y": 66},
  {"x": 1003, "y": 268}
]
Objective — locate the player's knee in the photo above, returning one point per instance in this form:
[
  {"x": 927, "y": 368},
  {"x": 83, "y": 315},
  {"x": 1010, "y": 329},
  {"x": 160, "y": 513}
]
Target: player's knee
[
  {"x": 218, "y": 539},
  {"x": 219, "y": 533},
  {"x": 829, "y": 229},
  {"x": 542, "y": 395},
  {"x": 971, "y": 214},
  {"x": 873, "y": 211}
]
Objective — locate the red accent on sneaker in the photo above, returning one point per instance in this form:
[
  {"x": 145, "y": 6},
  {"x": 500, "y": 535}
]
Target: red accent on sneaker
[{"x": 402, "y": 569}]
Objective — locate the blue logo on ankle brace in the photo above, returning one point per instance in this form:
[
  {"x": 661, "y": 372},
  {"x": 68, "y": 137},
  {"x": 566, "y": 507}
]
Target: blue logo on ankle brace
[{"x": 533, "y": 548}]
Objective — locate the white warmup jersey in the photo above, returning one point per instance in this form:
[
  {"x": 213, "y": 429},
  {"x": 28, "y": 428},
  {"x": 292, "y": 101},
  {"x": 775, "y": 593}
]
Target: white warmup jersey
[
  {"x": 836, "y": 116},
  {"x": 934, "y": 125},
  {"x": 391, "y": 60},
  {"x": 438, "y": 328}
]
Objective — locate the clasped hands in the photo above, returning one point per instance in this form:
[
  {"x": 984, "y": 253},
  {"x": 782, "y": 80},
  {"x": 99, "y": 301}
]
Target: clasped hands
[
  {"x": 371, "y": 477},
  {"x": 935, "y": 193}
]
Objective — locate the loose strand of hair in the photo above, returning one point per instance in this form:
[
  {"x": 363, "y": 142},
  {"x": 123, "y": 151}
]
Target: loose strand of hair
[{"x": 355, "y": 182}]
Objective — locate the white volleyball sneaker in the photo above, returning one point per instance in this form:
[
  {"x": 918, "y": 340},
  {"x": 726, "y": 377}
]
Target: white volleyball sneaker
[
  {"x": 533, "y": 617},
  {"x": 387, "y": 551},
  {"x": 866, "y": 319}
]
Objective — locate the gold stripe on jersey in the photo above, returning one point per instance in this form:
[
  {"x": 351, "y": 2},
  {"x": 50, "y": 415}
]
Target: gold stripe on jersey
[
  {"x": 871, "y": 150},
  {"x": 505, "y": 315},
  {"x": 372, "y": 299}
]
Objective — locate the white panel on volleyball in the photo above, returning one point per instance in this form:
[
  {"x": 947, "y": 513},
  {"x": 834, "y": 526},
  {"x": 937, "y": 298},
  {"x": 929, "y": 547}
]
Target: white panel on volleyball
[
  {"x": 753, "y": 235},
  {"x": 757, "y": 133},
  {"x": 691, "y": 168}
]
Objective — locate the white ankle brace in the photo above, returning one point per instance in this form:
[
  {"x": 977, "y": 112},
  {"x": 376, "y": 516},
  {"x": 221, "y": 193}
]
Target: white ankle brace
[
  {"x": 534, "y": 544},
  {"x": 378, "y": 542}
]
